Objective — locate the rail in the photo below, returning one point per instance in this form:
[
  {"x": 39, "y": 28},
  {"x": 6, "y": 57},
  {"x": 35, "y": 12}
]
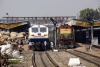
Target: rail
[
  {"x": 88, "y": 57},
  {"x": 41, "y": 57},
  {"x": 55, "y": 64}
]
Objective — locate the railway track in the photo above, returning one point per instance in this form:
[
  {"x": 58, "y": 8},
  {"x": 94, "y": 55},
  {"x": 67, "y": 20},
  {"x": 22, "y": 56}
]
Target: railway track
[
  {"x": 43, "y": 59},
  {"x": 86, "y": 56}
]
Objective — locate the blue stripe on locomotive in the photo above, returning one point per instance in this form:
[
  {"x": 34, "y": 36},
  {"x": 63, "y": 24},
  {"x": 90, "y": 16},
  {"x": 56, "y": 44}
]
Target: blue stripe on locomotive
[{"x": 38, "y": 40}]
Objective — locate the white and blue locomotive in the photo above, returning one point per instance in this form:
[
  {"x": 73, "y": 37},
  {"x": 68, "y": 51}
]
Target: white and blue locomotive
[{"x": 38, "y": 33}]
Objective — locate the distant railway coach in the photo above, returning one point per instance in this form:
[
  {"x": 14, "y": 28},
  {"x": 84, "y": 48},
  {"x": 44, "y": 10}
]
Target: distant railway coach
[{"x": 65, "y": 35}]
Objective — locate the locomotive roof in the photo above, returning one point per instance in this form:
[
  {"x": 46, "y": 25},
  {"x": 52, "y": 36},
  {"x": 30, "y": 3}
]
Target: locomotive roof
[{"x": 38, "y": 26}]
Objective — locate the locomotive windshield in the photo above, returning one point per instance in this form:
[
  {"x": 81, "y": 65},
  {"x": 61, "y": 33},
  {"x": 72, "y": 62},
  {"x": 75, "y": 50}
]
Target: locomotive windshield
[
  {"x": 34, "y": 29},
  {"x": 42, "y": 29}
]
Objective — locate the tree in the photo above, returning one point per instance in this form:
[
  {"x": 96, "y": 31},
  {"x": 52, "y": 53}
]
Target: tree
[
  {"x": 99, "y": 12},
  {"x": 99, "y": 9},
  {"x": 96, "y": 14},
  {"x": 89, "y": 13}
]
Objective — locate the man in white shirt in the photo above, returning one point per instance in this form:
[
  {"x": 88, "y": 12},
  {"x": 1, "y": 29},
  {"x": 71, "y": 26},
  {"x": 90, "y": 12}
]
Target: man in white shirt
[
  {"x": 45, "y": 43},
  {"x": 51, "y": 45}
]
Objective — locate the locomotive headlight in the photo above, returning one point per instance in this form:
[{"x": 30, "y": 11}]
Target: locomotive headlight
[
  {"x": 45, "y": 34},
  {"x": 31, "y": 35}
]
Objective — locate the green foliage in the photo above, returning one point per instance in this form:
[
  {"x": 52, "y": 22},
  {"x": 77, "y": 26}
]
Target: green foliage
[{"x": 90, "y": 13}]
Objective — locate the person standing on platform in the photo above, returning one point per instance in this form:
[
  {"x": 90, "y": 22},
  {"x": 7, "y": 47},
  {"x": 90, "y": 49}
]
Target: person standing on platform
[
  {"x": 45, "y": 44},
  {"x": 51, "y": 45},
  {"x": 30, "y": 45},
  {"x": 21, "y": 43}
]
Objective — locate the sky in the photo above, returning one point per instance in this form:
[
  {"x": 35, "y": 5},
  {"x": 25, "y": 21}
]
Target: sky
[{"x": 40, "y": 8}]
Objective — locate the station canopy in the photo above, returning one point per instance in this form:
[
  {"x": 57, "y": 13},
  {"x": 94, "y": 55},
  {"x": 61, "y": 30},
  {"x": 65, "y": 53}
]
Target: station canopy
[
  {"x": 81, "y": 24},
  {"x": 12, "y": 25}
]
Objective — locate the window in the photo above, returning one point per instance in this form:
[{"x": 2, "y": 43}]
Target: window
[
  {"x": 42, "y": 29},
  {"x": 34, "y": 29}
]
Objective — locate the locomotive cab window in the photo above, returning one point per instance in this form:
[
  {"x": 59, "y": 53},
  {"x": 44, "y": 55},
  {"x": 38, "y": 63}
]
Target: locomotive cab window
[
  {"x": 34, "y": 29},
  {"x": 42, "y": 29}
]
